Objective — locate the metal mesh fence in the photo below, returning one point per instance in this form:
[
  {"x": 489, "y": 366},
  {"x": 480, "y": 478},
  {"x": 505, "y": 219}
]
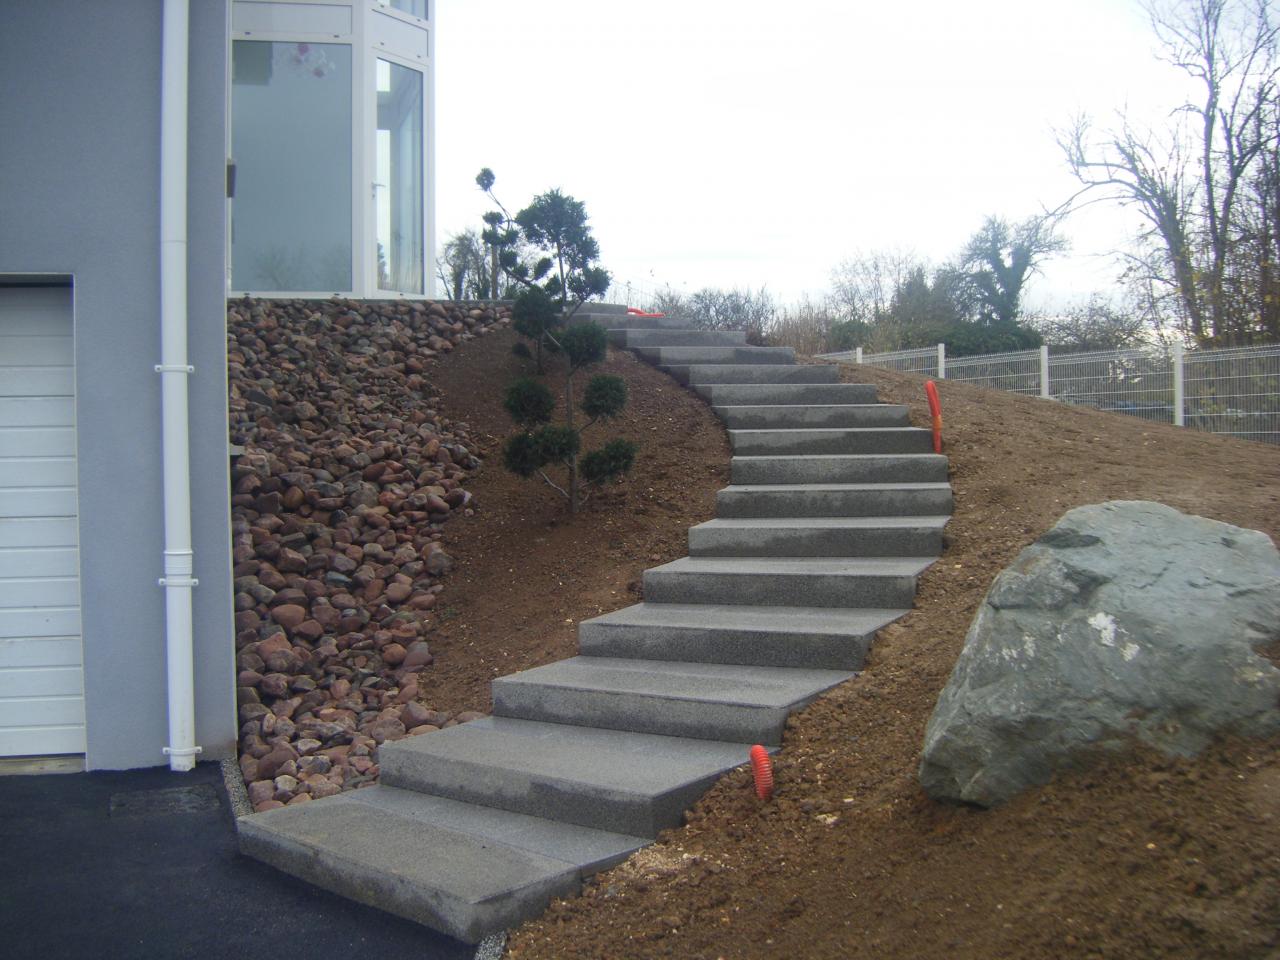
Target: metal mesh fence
[
  {"x": 1134, "y": 382},
  {"x": 1017, "y": 372},
  {"x": 1234, "y": 392}
]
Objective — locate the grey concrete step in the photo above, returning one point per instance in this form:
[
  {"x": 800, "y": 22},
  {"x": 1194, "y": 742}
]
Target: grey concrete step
[
  {"x": 831, "y": 440},
  {"x": 630, "y": 783},
  {"x": 786, "y": 581},
  {"x": 686, "y": 356},
  {"x": 629, "y": 321},
  {"x": 632, "y": 338},
  {"x": 818, "y": 537},
  {"x": 694, "y": 374},
  {"x": 728, "y": 394},
  {"x": 747, "y": 704},
  {"x": 837, "y": 468},
  {"x": 459, "y": 868},
  {"x": 828, "y": 638},
  {"x": 801, "y": 416},
  {"x": 835, "y": 500}
]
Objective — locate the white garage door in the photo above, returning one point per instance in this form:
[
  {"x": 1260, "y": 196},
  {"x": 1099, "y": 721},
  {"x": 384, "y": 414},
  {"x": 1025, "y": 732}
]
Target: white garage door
[{"x": 41, "y": 660}]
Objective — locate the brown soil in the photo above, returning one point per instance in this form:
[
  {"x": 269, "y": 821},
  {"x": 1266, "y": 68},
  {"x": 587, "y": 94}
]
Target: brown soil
[{"x": 1130, "y": 856}]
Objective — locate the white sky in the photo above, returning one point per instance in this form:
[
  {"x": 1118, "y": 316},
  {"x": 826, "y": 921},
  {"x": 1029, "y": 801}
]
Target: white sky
[{"x": 745, "y": 143}]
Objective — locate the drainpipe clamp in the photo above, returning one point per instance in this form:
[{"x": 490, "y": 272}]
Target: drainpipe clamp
[
  {"x": 183, "y": 751},
  {"x": 174, "y": 368}
]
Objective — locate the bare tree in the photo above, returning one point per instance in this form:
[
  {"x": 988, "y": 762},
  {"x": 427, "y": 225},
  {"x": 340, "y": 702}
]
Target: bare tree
[
  {"x": 1001, "y": 257},
  {"x": 863, "y": 284},
  {"x": 1201, "y": 185}
]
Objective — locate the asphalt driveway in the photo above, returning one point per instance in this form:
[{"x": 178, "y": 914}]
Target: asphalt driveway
[{"x": 144, "y": 864}]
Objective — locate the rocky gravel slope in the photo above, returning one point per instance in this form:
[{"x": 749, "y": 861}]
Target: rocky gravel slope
[{"x": 346, "y": 474}]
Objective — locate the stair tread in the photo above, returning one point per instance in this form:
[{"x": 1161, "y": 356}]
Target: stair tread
[
  {"x": 742, "y": 407},
  {"x": 799, "y": 566},
  {"x": 747, "y": 619},
  {"x": 795, "y": 430},
  {"x": 701, "y": 682},
  {"x": 842, "y": 487},
  {"x": 613, "y": 762},
  {"x": 826, "y": 523}
]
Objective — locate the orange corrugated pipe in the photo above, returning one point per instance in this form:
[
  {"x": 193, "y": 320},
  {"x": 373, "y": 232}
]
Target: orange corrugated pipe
[
  {"x": 762, "y": 771},
  {"x": 935, "y": 411}
]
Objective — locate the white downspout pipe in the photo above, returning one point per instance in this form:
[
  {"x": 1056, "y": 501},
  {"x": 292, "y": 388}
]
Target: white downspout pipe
[{"x": 173, "y": 370}]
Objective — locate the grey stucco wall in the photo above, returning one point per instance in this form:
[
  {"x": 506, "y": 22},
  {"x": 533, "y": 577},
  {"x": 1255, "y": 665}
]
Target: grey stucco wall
[{"x": 79, "y": 195}]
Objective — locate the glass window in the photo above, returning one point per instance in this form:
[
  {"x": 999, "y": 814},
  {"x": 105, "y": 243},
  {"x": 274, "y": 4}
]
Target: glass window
[
  {"x": 417, "y": 8},
  {"x": 398, "y": 155},
  {"x": 291, "y": 134}
]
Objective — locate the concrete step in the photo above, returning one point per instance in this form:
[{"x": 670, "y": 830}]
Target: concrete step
[
  {"x": 835, "y": 468},
  {"x": 787, "y": 581},
  {"x": 459, "y": 868},
  {"x": 747, "y": 704},
  {"x": 631, "y": 783},
  {"x": 730, "y": 394},
  {"x": 832, "y": 440},
  {"x": 686, "y": 356},
  {"x": 736, "y": 373},
  {"x": 631, "y": 338},
  {"x": 818, "y": 537},
  {"x": 629, "y": 321},
  {"x": 802, "y": 416},
  {"x": 835, "y": 500},
  {"x": 824, "y": 638}
]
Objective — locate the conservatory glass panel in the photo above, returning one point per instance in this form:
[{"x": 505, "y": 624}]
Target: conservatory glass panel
[
  {"x": 291, "y": 135},
  {"x": 399, "y": 181}
]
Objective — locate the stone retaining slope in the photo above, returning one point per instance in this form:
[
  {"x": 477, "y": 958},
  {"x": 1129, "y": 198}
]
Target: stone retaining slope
[{"x": 837, "y": 505}]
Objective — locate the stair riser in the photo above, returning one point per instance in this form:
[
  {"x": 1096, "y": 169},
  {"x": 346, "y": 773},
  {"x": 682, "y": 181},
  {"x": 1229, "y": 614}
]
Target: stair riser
[
  {"x": 833, "y": 503},
  {"x": 814, "y": 543},
  {"x": 685, "y": 356},
  {"x": 751, "y": 373},
  {"x": 640, "y": 714},
  {"x": 677, "y": 338},
  {"x": 514, "y": 790},
  {"x": 468, "y": 922},
  {"x": 918, "y": 468},
  {"x": 628, "y": 321},
  {"x": 695, "y": 645},
  {"x": 792, "y": 590},
  {"x": 753, "y": 443},
  {"x": 731, "y": 394},
  {"x": 810, "y": 417}
]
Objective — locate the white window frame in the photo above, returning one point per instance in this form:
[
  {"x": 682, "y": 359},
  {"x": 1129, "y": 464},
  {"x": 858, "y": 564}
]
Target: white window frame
[{"x": 364, "y": 57}]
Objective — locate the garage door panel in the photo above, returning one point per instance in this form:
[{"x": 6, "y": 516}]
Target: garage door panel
[
  {"x": 22, "y": 351},
  {"x": 42, "y": 741},
  {"x": 24, "y": 442},
  {"x": 38, "y": 532},
  {"x": 40, "y": 561},
  {"x": 41, "y": 646},
  {"x": 37, "y": 472},
  {"x": 40, "y": 622},
  {"x": 36, "y": 411},
  {"x": 36, "y": 381},
  {"x": 31, "y": 651},
  {"x": 31, "y": 682},
  {"x": 39, "y": 502},
  {"x": 43, "y": 592},
  {"x": 41, "y": 711}
]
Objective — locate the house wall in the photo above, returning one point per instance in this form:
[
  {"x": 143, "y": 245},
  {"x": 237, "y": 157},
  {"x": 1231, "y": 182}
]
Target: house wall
[{"x": 79, "y": 195}]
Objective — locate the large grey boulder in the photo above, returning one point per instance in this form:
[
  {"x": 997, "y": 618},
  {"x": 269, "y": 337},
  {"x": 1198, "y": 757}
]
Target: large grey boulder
[{"x": 1127, "y": 619}]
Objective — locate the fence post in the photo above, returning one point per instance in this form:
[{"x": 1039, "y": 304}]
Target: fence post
[
  {"x": 1179, "y": 394},
  {"x": 857, "y": 355},
  {"x": 1044, "y": 372},
  {"x": 942, "y": 361}
]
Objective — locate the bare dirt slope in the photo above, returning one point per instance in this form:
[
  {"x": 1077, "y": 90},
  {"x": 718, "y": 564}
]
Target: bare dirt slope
[{"x": 1135, "y": 856}]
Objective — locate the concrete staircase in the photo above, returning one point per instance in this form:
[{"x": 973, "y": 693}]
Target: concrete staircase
[{"x": 836, "y": 506}]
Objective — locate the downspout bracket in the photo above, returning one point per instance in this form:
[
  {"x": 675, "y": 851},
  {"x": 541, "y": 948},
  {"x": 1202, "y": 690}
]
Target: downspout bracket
[{"x": 174, "y": 368}]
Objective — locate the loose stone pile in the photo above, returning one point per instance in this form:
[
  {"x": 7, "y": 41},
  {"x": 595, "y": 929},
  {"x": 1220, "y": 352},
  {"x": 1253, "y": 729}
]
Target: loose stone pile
[{"x": 346, "y": 475}]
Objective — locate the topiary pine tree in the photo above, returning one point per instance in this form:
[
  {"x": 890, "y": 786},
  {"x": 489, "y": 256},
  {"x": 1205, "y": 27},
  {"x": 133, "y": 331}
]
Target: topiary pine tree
[
  {"x": 541, "y": 442},
  {"x": 563, "y": 278}
]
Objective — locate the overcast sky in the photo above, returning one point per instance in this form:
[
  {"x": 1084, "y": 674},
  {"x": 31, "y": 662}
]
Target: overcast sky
[{"x": 744, "y": 143}]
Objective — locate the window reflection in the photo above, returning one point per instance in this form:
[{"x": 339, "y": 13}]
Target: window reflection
[{"x": 398, "y": 155}]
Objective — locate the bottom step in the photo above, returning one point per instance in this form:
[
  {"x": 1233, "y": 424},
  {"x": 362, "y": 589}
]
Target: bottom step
[{"x": 463, "y": 869}]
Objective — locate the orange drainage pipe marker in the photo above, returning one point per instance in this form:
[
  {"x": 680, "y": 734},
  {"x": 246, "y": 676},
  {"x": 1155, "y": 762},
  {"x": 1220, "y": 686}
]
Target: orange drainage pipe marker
[
  {"x": 762, "y": 771},
  {"x": 935, "y": 411},
  {"x": 637, "y": 312}
]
